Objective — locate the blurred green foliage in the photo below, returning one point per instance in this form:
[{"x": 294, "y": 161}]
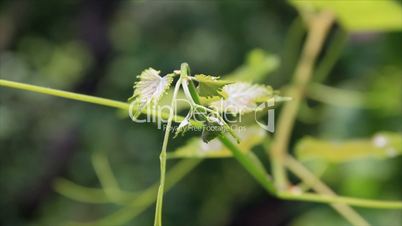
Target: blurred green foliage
[
  {"x": 99, "y": 48},
  {"x": 366, "y": 15}
]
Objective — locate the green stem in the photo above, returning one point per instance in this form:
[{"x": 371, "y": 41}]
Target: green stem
[
  {"x": 308, "y": 114},
  {"x": 86, "y": 98},
  {"x": 65, "y": 94},
  {"x": 257, "y": 173},
  {"x": 252, "y": 165},
  {"x": 105, "y": 175},
  {"x": 293, "y": 42},
  {"x": 318, "y": 28},
  {"x": 143, "y": 200},
  {"x": 162, "y": 157},
  {"x": 193, "y": 90},
  {"x": 366, "y": 203},
  {"x": 310, "y": 179},
  {"x": 85, "y": 194},
  {"x": 331, "y": 56}
]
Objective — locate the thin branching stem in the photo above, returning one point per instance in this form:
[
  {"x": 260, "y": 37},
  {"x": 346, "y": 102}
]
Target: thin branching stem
[
  {"x": 254, "y": 167},
  {"x": 162, "y": 157},
  {"x": 331, "y": 56},
  {"x": 82, "y": 193},
  {"x": 106, "y": 177},
  {"x": 318, "y": 27},
  {"x": 144, "y": 199},
  {"x": 367, "y": 203},
  {"x": 249, "y": 162}
]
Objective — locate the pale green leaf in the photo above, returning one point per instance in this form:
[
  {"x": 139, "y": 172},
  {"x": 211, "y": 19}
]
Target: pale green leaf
[
  {"x": 196, "y": 148},
  {"x": 382, "y": 145},
  {"x": 242, "y": 98},
  {"x": 257, "y": 66},
  {"x": 363, "y": 15},
  {"x": 150, "y": 88},
  {"x": 210, "y": 86},
  {"x": 181, "y": 102}
]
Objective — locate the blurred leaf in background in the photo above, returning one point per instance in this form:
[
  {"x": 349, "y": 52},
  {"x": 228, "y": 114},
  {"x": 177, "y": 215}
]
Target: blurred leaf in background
[{"x": 355, "y": 16}]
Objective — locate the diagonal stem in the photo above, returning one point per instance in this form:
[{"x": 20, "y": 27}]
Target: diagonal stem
[
  {"x": 138, "y": 204},
  {"x": 308, "y": 178},
  {"x": 105, "y": 175},
  {"x": 249, "y": 162},
  {"x": 318, "y": 28}
]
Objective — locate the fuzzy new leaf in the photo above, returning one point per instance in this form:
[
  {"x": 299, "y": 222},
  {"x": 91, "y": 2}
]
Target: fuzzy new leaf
[
  {"x": 150, "y": 88},
  {"x": 242, "y": 98}
]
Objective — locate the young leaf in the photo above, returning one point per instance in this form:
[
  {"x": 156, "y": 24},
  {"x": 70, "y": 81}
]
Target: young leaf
[
  {"x": 242, "y": 98},
  {"x": 150, "y": 88},
  {"x": 212, "y": 128},
  {"x": 382, "y": 145},
  {"x": 210, "y": 86},
  {"x": 184, "y": 125}
]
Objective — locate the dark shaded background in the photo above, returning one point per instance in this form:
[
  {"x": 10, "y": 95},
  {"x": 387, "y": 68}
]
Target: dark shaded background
[{"x": 98, "y": 47}]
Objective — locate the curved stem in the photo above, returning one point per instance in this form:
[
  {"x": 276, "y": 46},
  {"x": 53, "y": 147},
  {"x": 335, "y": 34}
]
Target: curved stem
[
  {"x": 331, "y": 56},
  {"x": 249, "y": 162},
  {"x": 292, "y": 46},
  {"x": 105, "y": 175},
  {"x": 318, "y": 28},
  {"x": 85, "y": 194},
  {"x": 143, "y": 200},
  {"x": 310, "y": 179},
  {"x": 367, "y": 203},
  {"x": 162, "y": 157}
]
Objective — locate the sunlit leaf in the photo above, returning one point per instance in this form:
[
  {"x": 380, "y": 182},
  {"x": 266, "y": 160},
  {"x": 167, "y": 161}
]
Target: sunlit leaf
[
  {"x": 382, "y": 145},
  {"x": 242, "y": 98},
  {"x": 150, "y": 88},
  {"x": 364, "y": 15},
  {"x": 196, "y": 148}
]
